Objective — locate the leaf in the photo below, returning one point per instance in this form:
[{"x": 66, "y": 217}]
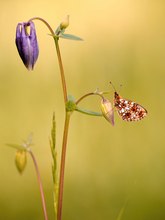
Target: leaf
[
  {"x": 70, "y": 37},
  {"x": 29, "y": 141},
  {"x": 16, "y": 146},
  {"x": 88, "y": 112}
]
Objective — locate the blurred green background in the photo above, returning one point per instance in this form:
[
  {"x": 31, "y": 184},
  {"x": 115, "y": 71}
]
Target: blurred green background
[{"x": 107, "y": 168}]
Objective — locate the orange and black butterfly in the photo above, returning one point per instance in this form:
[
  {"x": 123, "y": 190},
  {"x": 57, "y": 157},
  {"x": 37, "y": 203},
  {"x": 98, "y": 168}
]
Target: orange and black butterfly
[{"x": 127, "y": 109}]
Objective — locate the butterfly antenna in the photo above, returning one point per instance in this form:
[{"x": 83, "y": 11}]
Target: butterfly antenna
[
  {"x": 120, "y": 87},
  {"x": 112, "y": 86}
]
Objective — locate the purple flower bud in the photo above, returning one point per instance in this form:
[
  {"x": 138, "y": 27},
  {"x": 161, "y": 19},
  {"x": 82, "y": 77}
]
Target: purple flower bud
[{"x": 27, "y": 44}]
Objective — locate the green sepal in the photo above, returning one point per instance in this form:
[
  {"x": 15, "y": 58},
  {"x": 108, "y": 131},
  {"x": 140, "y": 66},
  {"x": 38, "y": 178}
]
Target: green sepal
[
  {"x": 17, "y": 146},
  {"x": 70, "y": 37},
  {"x": 59, "y": 31},
  {"x": 88, "y": 112}
]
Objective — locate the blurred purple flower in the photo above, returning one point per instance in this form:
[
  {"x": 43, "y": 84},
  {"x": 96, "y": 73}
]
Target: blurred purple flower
[{"x": 27, "y": 44}]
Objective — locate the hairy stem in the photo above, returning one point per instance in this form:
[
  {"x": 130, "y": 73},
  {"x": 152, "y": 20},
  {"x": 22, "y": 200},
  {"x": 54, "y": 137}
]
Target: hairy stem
[
  {"x": 40, "y": 185},
  {"x": 62, "y": 167}
]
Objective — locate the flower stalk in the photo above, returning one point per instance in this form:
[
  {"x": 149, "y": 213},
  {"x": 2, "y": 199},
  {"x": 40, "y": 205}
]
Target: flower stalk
[
  {"x": 56, "y": 38},
  {"x": 40, "y": 185},
  {"x": 89, "y": 94},
  {"x": 67, "y": 119},
  {"x": 62, "y": 166},
  {"x": 61, "y": 70}
]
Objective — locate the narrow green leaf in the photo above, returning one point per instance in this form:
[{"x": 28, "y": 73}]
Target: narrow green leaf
[
  {"x": 29, "y": 141},
  {"x": 16, "y": 146},
  {"x": 70, "y": 37},
  {"x": 25, "y": 145},
  {"x": 88, "y": 112}
]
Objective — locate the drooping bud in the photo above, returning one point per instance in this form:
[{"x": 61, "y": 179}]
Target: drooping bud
[
  {"x": 27, "y": 44},
  {"x": 64, "y": 24},
  {"x": 107, "y": 110},
  {"x": 20, "y": 160}
]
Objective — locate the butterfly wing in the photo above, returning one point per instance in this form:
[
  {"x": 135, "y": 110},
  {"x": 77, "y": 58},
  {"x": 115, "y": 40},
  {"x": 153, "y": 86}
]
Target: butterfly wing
[{"x": 129, "y": 110}]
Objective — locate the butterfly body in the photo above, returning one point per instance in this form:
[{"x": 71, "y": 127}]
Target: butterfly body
[{"x": 128, "y": 110}]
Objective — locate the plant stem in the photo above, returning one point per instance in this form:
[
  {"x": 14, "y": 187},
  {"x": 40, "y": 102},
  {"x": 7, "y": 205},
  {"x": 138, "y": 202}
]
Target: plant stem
[
  {"x": 40, "y": 185},
  {"x": 62, "y": 167},
  {"x": 65, "y": 134},
  {"x": 88, "y": 94},
  {"x": 45, "y": 22},
  {"x": 61, "y": 70},
  {"x": 56, "y": 38},
  {"x": 84, "y": 96}
]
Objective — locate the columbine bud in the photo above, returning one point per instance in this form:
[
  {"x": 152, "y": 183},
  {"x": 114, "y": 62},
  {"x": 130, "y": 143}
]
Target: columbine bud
[
  {"x": 107, "y": 110},
  {"x": 27, "y": 43},
  {"x": 20, "y": 160},
  {"x": 64, "y": 24}
]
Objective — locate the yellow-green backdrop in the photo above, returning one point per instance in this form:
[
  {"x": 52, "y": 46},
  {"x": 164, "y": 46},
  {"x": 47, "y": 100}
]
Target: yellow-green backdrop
[{"x": 108, "y": 169}]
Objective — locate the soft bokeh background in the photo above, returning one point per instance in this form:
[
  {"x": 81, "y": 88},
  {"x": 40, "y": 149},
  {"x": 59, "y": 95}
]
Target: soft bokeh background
[{"x": 107, "y": 168}]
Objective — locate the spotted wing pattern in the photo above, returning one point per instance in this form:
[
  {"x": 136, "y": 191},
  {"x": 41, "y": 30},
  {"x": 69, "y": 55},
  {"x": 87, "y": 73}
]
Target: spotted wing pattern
[{"x": 129, "y": 110}]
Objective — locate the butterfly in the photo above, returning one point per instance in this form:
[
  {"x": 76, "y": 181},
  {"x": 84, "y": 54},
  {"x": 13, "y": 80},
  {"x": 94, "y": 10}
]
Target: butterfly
[{"x": 127, "y": 109}]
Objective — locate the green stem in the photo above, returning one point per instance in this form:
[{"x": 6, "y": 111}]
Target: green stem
[
  {"x": 62, "y": 167},
  {"x": 67, "y": 119},
  {"x": 58, "y": 55},
  {"x": 61, "y": 70},
  {"x": 88, "y": 94},
  {"x": 40, "y": 185}
]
